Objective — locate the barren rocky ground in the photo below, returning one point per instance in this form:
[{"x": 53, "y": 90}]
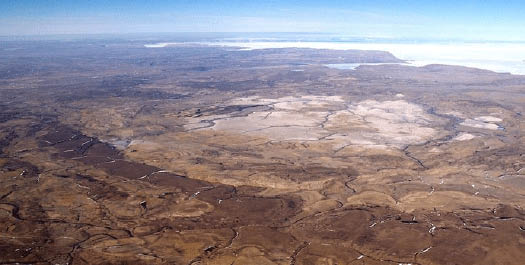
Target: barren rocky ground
[{"x": 113, "y": 153}]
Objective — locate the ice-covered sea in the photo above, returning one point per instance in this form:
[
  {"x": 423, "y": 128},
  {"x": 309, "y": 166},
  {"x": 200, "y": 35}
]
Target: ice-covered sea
[{"x": 501, "y": 57}]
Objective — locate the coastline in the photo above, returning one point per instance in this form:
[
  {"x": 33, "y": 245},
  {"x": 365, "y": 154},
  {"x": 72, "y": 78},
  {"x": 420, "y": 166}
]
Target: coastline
[{"x": 497, "y": 57}]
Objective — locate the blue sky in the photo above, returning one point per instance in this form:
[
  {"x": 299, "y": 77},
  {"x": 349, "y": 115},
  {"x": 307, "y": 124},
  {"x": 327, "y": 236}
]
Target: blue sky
[{"x": 479, "y": 20}]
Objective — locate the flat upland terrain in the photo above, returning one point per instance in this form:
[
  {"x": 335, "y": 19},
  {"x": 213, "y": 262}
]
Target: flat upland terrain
[{"x": 113, "y": 153}]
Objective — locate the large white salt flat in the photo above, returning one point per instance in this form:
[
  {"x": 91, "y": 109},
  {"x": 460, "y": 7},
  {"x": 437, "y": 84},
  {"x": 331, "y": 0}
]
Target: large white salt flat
[{"x": 369, "y": 123}]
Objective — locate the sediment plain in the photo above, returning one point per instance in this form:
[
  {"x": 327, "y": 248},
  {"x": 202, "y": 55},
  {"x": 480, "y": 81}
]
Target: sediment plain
[{"x": 113, "y": 153}]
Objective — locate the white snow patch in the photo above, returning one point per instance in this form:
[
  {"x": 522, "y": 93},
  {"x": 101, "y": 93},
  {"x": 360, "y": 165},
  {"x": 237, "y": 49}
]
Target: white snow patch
[
  {"x": 464, "y": 137},
  {"x": 474, "y": 123},
  {"x": 488, "y": 119},
  {"x": 158, "y": 45}
]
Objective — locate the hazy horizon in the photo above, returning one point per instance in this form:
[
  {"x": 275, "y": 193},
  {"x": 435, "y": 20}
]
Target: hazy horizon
[{"x": 468, "y": 20}]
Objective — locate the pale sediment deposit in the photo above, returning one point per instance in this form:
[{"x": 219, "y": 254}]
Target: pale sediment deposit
[{"x": 310, "y": 118}]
